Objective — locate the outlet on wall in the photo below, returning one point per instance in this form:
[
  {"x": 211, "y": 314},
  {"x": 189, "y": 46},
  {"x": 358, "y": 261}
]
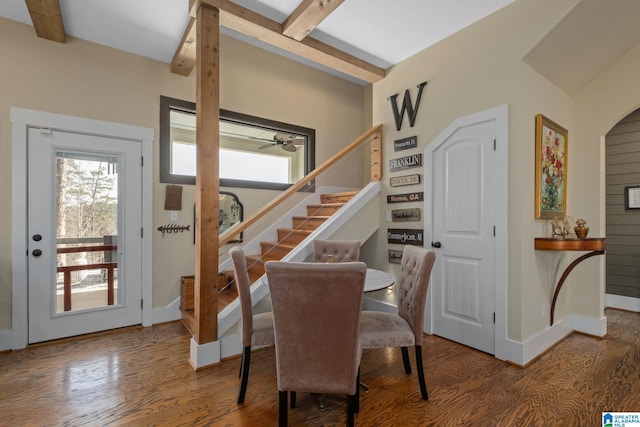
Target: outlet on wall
[{"x": 173, "y": 216}]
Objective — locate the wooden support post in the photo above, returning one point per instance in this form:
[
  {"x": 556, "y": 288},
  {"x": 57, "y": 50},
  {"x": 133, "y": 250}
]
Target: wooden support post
[{"x": 207, "y": 173}]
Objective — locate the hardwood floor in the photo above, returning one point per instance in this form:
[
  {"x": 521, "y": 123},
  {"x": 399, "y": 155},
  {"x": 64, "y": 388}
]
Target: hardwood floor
[{"x": 141, "y": 377}]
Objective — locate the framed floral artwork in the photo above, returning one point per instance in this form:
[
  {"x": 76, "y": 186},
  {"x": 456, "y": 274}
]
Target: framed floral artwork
[{"x": 551, "y": 169}]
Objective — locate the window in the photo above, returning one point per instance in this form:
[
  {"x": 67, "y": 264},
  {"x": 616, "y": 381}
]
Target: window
[{"x": 254, "y": 152}]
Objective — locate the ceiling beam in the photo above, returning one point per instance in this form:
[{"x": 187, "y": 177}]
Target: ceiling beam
[
  {"x": 254, "y": 25},
  {"x": 47, "y": 19},
  {"x": 307, "y": 16},
  {"x": 185, "y": 57}
]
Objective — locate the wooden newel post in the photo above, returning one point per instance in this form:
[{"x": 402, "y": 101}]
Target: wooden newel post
[{"x": 207, "y": 173}]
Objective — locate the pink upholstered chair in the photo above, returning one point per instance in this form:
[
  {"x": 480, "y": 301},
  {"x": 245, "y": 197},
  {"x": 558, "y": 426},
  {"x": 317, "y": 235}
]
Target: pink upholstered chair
[
  {"x": 316, "y": 315},
  {"x": 336, "y": 250},
  {"x": 256, "y": 329},
  {"x": 404, "y": 329}
]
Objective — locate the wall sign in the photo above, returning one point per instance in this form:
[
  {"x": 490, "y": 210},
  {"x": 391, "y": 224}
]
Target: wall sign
[
  {"x": 407, "y": 197},
  {"x": 401, "y": 163},
  {"x": 405, "y": 215},
  {"x": 395, "y": 257},
  {"x": 405, "y": 236},
  {"x": 399, "y": 181},
  {"x": 406, "y": 106},
  {"x": 405, "y": 143}
]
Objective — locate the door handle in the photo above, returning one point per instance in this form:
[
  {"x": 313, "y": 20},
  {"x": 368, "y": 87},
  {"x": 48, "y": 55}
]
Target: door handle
[
  {"x": 436, "y": 245},
  {"x": 36, "y": 252}
]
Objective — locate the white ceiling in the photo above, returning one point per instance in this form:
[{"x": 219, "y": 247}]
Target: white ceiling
[{"x": 382, "y": 32}]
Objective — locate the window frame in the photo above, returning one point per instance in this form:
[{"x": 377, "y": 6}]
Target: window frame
[{"x": 167, "y": 104}]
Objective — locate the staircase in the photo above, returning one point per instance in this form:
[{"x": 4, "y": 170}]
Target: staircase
[
  {"x": 288, "y": 239},
  {"x": 302, "y": 227}
]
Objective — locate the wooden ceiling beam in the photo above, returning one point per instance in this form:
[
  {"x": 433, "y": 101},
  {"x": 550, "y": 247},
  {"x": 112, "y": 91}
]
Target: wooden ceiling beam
[
  {"x": 47, "y": 19},
  {"x": 184, "y": 60},
  {"x": 307, "y": 16},
  {"x": 254, "y": 25}
]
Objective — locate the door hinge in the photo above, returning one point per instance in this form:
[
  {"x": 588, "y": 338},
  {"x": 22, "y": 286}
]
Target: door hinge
[
  {"x": 494, "y": 317},
  {"x": 142, "y": 306},
  {"x": 142, "y": 233},
  {"x": 494, "y": 144},
  {"x": 494, "y": 231},
  {"x": 142, "y": 161}
]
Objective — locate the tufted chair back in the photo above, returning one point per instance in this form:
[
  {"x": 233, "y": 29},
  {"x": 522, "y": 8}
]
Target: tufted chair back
[
  {"x": 340, "y": 250},
  {"x": 415, "y": 270}
]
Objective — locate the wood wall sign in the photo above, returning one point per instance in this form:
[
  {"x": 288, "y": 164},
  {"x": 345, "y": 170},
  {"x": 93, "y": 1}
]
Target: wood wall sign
[
  {"x": 405, "y": 143},
  {"x": 407, "y": 197},
  {"x": 405, "y": 236},
  {"x": 395, "y": 257},
  {"x": 407, "y": 162},
  {"x": 405, "y": 215},
  {"x": 399, "y": 181}
]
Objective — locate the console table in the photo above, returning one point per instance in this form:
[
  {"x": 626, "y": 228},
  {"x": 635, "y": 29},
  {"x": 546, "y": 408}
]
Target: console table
[{"x": 595, "y": 245}]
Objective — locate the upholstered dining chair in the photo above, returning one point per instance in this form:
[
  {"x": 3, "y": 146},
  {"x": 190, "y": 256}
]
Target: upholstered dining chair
[
  {"x": 257, "y": 330},
  {"x": 336, "y": 250},
  {"x": 404, "y": 329},
  {"x": 316, "y": 316}
]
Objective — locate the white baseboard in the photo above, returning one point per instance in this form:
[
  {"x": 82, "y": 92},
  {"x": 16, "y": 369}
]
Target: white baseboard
[
  {"x": 523, "y": 353},
  {"x": 6, "y": 340},
  {"x": 623, "y": 303},
  {"x": 168, "y": 313}
]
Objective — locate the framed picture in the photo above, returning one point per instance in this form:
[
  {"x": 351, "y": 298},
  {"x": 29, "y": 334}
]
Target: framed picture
[
  {"x": 551, "y": 169},
  {"x": 632, "y": 197}
]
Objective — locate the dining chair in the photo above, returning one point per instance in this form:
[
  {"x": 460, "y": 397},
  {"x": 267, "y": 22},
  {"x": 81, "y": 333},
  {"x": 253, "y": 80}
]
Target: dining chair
[
  {"x": 404, "y": 328},
  {"x": 316, "y": 316},
  {"x": 257, "y": 330},
  {"x": 336, "y": 250}
]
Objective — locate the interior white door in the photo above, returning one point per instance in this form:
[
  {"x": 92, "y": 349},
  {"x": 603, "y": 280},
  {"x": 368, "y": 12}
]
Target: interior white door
[
  {"x": 84, "y": 233},
  {"x": 463, "y": 226}
]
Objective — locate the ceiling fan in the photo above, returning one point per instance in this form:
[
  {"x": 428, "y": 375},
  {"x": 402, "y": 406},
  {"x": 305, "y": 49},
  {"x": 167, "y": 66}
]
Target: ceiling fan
[{"x": 286, "y": 141}]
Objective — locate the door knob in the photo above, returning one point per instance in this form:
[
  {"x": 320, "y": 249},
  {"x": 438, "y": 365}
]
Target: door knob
[
  {"x": 36, "y": 252},
  {"x": 37, "y": 237},
  {"x": 436, "y": 245}
]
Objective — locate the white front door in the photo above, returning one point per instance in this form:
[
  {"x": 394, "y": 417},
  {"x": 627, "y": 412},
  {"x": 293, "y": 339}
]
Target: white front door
[
  {"x": 84, "y": 233},
  {"x": 463, "y": 220}
]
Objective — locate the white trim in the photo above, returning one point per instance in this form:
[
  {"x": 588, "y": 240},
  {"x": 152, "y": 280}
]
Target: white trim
[
  {"x": 169, "y": 313},
  {"x": 503, "y": 347},
  {"x": 5, "y": 340},
  {"x": 21, "y": 119},
  {"x": 201, "y": 355},
  {"x": 623, "y": 303}
]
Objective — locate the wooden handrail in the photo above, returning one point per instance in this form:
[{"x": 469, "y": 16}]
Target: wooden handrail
[{"x": 228, "y": 235}]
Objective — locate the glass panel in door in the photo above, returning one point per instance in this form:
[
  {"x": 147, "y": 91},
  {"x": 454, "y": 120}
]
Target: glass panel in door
[{"x": 86, "y": 231}]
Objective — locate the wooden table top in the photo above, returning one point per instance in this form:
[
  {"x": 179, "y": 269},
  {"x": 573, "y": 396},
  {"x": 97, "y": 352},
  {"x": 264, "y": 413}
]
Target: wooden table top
[{"x": 570, "y": 244}]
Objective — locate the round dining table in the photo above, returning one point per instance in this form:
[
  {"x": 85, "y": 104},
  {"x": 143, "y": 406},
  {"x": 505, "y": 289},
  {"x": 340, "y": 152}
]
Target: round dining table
[{"x": 377, "y": 280}]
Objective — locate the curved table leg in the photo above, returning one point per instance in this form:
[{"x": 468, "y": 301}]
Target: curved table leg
[{"x": 564, "y": 277}]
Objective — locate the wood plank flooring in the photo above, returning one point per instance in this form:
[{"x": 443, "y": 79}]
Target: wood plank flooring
[{"x": 141, "y": 377}]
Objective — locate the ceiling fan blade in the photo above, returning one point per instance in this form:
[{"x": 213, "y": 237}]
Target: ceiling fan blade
[
  {"x": 298, "y": 141},
  {"x": 262, "y": 147},
  {"x": 289, "y": 147}
]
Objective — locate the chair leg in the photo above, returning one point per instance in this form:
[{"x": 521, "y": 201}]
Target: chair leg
[
  {"x": 357, "y": 407},
  {"x": 283, "y": 412},
  {"x": 405, "y": 360},
  {"x": 293, "y": 400},
  {"x": 244, "y": 373},
  {"x": 423, "y": 384},
  {"x": 351, "y": 409}
]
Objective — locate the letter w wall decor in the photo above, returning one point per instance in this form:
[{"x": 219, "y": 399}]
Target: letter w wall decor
[{"x": 406, "y": 106}]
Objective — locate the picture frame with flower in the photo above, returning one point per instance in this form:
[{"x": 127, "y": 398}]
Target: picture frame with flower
[{"x": 552, "y": 143}]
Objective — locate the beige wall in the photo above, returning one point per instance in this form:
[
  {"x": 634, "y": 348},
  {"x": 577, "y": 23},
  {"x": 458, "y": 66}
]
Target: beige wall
[
  {"x": 480, "y": 68},
  {"x": 91, "y": 81}
]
